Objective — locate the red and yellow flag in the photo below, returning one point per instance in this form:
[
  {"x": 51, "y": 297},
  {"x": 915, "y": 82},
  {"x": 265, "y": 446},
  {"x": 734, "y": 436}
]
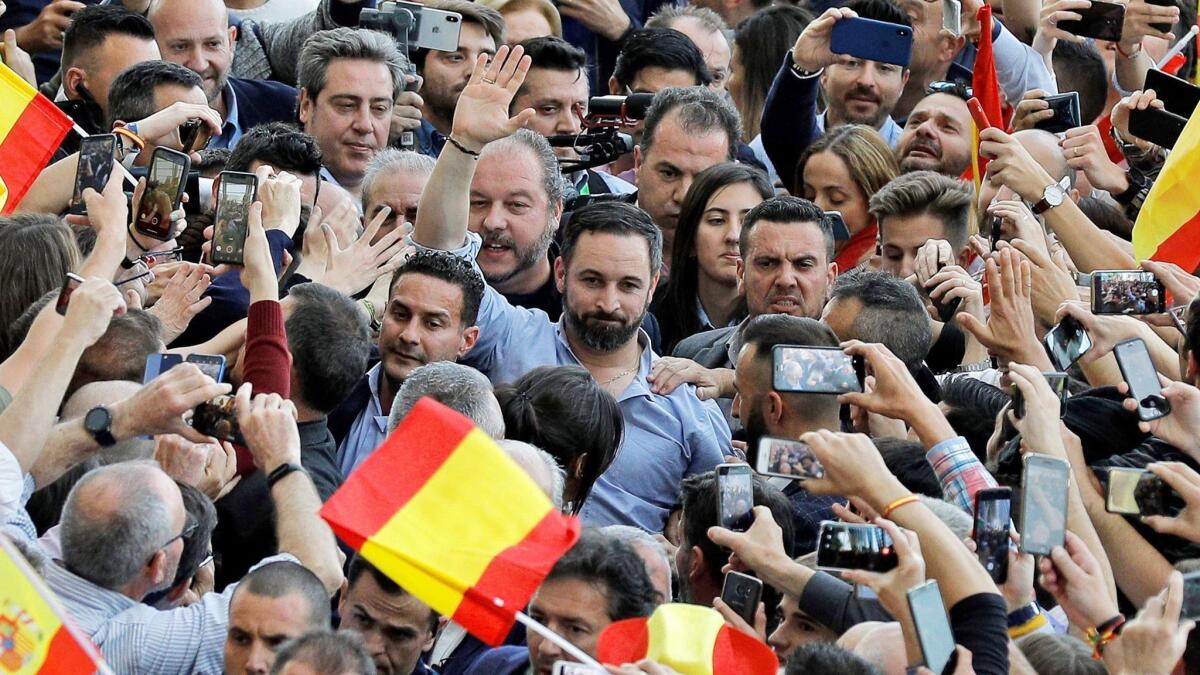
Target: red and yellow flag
[
  {"x": 443, "y": 512},
  {"x": 985, "y": 86},
  {"x": 35, "y": 636},
  {"x": 31, "y": 129},
  {"x": 1168, "y": 226},
  {"x": 692, "y": 639}
]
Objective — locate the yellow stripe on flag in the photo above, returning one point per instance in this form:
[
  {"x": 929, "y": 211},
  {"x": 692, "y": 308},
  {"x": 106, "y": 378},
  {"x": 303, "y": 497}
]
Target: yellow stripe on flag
[
  {"x": 1173, "y": 200},
  {"x": 15, "y": 95},
  {"x": 688, "y": 651}
]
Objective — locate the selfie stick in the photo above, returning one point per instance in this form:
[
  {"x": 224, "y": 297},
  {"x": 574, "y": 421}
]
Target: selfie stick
[
  {"x": 125, "y": 172},
  {"x": 557, "y": 639},
  {"x": 1178, "y": 47}
]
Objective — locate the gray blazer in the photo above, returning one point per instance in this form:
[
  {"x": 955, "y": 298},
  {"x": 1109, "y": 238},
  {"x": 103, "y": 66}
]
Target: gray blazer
[{"x": 710, "y": 348}]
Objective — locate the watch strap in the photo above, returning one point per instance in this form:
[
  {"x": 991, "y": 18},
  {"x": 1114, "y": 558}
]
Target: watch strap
[
  {"x": 281, "y": 471},
  {"x": 1042, "y": 206}
]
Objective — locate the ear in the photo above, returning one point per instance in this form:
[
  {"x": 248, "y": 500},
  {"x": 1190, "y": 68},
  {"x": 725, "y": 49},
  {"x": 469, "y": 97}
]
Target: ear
[
  {"x": 696, "y": 565},
  {"x": 773, "y": 410},
  {"x": 469, "y": 337},
  {"x": 71, "y": 81},
  {"x": 1075, "y": 195},
  {"x": 306, "y": 106},
  {"x": 576, "y": 468},
  {"x": 558, "y": 211},
  {"x": 560, "y": 274},
  {"x": 233, "y": 33},
  {"x": 830, "y": 275},
  {"x": 1192, "y": 367},
  {"x": 156, "y": 569},
  {"x": 637, "y": 157},
  {"x": 614, "y": 87},
  {"x": 904, "y": 78},
  {"x": 341, "y": 607},
  {"x": 740, "y": 269}
]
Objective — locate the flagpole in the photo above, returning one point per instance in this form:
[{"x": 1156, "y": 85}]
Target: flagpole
[
  {"x": 125, "y": 172},
  {"x": 559, "y": 640},
  {"x": 1177, "y": 47}
]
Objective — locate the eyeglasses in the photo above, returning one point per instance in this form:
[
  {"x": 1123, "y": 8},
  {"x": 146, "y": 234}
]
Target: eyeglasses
[
  {"x": 189, "y": 526},
  {"x": 953, "y": 88},
  {"x": 156, "y": 257}
]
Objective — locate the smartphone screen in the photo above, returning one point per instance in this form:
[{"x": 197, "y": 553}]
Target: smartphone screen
[
  {"x": 234, "y": 197},
  {"x": 993, "y": 510},
  {"x": 787, "y": 458},
  {"x": 735, "y": 496},
  {"x": 1102, "y": 21},
  {"x": 932, "y": 625},
  {"x": 742, "y": 593},
  {"x": 157, "y": 364},
  {"x": 95, "y": 166},
  {"x": 838, "y": 224},
  {"x": 218, "y": 418},
  {"x": 212, "y": 365},
  {"x": 1138, "y": 370},
  {"x": 1066, "y": 342},
  {"x": 816, "y": 370},
  {"x": 164, "y": 188},
  {"x": 1191, "y": 596},
  {"x": 850, "y": 546},
  {"x": 70, "y": 283},
  {"x": 1044, "y": 503},
  {"x": 1127, "y": 292}
]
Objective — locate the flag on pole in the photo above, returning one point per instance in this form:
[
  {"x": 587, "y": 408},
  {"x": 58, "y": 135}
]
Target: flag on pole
[
  {"x": 31, "y": 129},
  {"x": 443, "y": 512},
  {"x": 986, "y": 87},
  {"x": 1168, "y": 226},
  {"x": 35, "y": 635},
  {"x": 692, "y": 639}
]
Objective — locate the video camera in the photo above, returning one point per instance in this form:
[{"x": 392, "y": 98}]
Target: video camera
[{"x": 601, "y": 143}]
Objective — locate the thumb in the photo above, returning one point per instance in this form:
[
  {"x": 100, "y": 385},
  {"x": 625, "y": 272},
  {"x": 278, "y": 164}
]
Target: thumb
[
  {"x": 132, "y": 299},
  {"x": 973, "y": 326},
  {"x": 521, "y": 119},
  {"x": 331, "y": 244}
]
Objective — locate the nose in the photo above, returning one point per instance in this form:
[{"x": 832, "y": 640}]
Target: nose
[
  {"x": 908, "y": 266},
  {"x": 374, "y": 642},
  {"x": 260, "y": 659},
  {"x": 411, "y": 334},
  {"x": 788, "y": 277},
  {"x": 681, "y": 190},
  {"x": 493, "y": 218},
  {"x": 567, "y": 122},
  {"x": 195, "y": 60},
  {"x": 362, "y": 120},
  {"x": 608, "y": 299}
]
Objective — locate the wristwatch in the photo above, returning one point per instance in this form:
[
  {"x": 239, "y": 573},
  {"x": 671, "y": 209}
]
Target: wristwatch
[
  {"x": 1052, "y": 196},
  {"x": 98, "y": 423}
]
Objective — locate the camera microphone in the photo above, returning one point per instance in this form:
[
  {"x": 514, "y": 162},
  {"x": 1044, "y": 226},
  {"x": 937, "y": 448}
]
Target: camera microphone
[{"x": 632, "y": 107}]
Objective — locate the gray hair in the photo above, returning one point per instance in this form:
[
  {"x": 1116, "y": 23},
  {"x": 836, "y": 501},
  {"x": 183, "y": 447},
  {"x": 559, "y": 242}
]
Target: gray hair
[
  {"x": 520, "y": 450},
  {"x": 892, "y": 313},
  {"x": 698, "y": 110},
  {"x": 327, "y": 651},
  {"x": 109, "y": 547},
  {"x": 392, "y": 160},
  {"x": 667, "y": 14},
  {"x": 638, "y": 538},
  {"x": 322, "y": 47},
  {"x": 552, "y": 178},
  {"x": 951, "y": 516},
  {"x": 455, "y": 386}
]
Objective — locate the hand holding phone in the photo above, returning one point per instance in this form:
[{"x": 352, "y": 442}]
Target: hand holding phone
[
  {"x": 872, "y": 40},
  {"x": 1135, "y": 492},
  {"x": 742, "y": 593},
  {"x": 1058, "y": 384},
  {"x": 816, "y": 370},
  {"x": 1066, "y": 342},
  {"x": 785, "y": 458},
  {"x": 1127, "y": 292},
  {"x": 163, "y": 194},
  {"x": 70, "y": 283},
  {"x": 735, "y": 496},
  {"x": 218, "y": 418},
  {"x": 853, "y": 546},
  {"x": 96, "y": 156},
  {"x": 932, "y": 625},
  {"x": 977, "y": 114},
  {"x": 1066, "y": 113},
  {"x": 235, "y": 195},
  {"x": 1044, "y": 490},
  {"x": 1137, "y": 368},
  {"x": 1101, "y": 21},
  {"x": 993, "y": 511},
  {"x": 157, "y": 364}
]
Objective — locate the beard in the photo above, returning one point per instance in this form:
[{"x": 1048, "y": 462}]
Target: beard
[
  {"x": 753, "y": 424},
  {"x": 601, "y": 331},
  {"x": 526, "y": 257},
  {"x": 875, "y": 121}
]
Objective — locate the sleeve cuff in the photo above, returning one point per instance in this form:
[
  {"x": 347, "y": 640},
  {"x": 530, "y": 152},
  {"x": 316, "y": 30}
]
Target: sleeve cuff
[{"x": 265, "y": 318}]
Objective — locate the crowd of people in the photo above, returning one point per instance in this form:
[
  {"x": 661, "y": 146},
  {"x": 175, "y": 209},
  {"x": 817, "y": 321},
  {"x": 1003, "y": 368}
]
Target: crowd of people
[{"x": 435, "y": 223}]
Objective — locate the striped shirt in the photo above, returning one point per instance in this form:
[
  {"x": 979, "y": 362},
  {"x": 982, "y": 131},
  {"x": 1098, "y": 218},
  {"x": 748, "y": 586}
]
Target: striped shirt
[{"x": 959, "y": 471}]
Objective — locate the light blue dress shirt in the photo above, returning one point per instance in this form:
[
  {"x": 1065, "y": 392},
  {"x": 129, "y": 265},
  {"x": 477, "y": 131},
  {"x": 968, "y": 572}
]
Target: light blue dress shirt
[
  {"x": 368, "y": 430},
  {"x": 890, "y": 131},
  {"x": 231, "y": 130},
  {"x": 666, "y": 437}
]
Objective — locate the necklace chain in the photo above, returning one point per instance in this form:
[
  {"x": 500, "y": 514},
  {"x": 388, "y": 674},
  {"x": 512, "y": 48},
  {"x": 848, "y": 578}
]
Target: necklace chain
[{"x": 618, "y": 376}]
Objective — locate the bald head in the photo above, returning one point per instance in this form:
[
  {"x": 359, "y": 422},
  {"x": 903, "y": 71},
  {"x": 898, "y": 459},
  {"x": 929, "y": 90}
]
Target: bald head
[
  {"x": 196, "y": 35},
  {"x": 1044, "y": 148},
  {"x": 106, "y": 394},
  {"x": 540, "y": 466}
]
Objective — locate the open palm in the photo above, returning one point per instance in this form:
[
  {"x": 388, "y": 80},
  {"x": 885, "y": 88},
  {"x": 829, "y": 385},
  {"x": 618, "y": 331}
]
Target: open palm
[{"x": 481, "y": 115}]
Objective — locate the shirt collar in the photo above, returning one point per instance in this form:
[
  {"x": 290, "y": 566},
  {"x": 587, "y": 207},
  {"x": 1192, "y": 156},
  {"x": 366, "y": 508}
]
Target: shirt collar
[
  {"x": 638, "y": 387},
  {"x": 231, "y": 110},
  {"x": 373, "y": 377}
]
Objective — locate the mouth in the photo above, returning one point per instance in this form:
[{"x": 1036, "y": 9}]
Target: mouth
[
  {"x": 406, "y": 358},
  {"x": 922, "y": 151},
  {"x": 361, "y": 148},
  {"x": 494, "y": 249},
  {"x": 786, "y": 303},
  {"x": 733, "y": 258}
]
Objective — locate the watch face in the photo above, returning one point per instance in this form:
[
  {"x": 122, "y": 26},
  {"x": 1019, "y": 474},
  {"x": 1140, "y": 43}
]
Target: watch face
[
  {"x": 97, "y": 419},
  {"x": 1054, "y": 195}
]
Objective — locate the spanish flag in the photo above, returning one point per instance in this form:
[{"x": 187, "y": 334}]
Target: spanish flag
[
  {"x": 985, "y": 86},
  {"x": 34, "y": 634},
  {"x": 692, "y": 639},
  {"x": 31, "y": 128},
  {"x": 1168, "y": 226},
  {"x": 443, "y": 512}
]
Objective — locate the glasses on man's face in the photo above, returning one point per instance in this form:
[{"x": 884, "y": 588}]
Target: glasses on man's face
[
  {"x": 953, "y": 88},
  {"x": 189, "y": 526}
]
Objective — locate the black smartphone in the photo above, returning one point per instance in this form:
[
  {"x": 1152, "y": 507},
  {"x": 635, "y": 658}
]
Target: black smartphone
[
  {"x": 851, "y": 546},
  {"x": 1160, "y": 127},
  {"x": 164, "y": 190},
  {"x": 841, "y": 232},
  {"x": 945, "y": 309},
  {"x": 212, "y": 365},
  {"x": 816, "y": 370},
  {"x": 1177, "y": 94},
  {"x": 1066, "y": 113},
  {"x": 735, "y": 496},
  {"x": 1135, "y": 492},
  {"x": 993, "y": 512},
  {"x": 1164, "y": 27},
  {"x": 70, "y": 283},
  {"x": 997, "y": 230},
  {"x": 932, "y": 625},
  {"x": 1066, "y": 342},
  {"x": 1127, "y": 292},
  {"x": 787, "y": 458},
  {"x": 1138, "y": 370},
  {"x": 157, "y": 364},
  {"x": 1102, "y": 21},
  {"x": 96, "y": 155},
  {"x": 1191, "y": 596},
  {"x": 235, "y": 195},
  {"x": 194, "y": 135},
  {"x": 742, "y": 593},
  {"x": 1057, "y": 382},
  {"x": 218, "y": 418},
  {"x": 1044, "y": 488}
]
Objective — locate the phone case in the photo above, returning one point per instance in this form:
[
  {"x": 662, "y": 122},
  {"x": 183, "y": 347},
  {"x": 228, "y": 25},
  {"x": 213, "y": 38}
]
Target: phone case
[
  {"x": 1102, "y": 21},
  {"x": 742, "y": 593},
  {"x": 872, "y": 40},
  {"x": 1066, "y": 113},
  {"x": 1124, "y": 352},
  {"x": 1060, "y": 469},
  {"x": 1178, "y": 95},
  {"x": 154, "y": 212},
  {"x": 1160, "y": 127}
]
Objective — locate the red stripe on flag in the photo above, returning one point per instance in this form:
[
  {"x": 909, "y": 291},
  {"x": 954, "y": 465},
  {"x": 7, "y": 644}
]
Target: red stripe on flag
[
  {"x": 1181, "y": 247},
  {"x": 513, "y": 576},
  {"x": 389, "y": 478},
  {"x": 29, "y": 145},
  {"x": 736, "y": 652},
  {"x": 624, "y": 641},
  {"x": 66, "y": 655}
]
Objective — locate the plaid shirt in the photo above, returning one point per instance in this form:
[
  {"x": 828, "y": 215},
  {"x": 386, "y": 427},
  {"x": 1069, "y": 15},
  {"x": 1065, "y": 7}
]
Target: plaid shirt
[{"x": 960, "y": 472}]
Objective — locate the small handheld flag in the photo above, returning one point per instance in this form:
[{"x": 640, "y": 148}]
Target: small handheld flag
[
  {"x": 692, "y": 639},
  {"x": 31, "y": 129},
  {"x": 1168, "y": 226}
]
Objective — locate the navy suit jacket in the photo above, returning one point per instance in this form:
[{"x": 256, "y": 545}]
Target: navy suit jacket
[{"x": 262, "y": 101}]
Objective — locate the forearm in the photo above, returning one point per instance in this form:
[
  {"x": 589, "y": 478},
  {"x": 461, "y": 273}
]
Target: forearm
[
  {"x": 930, "y": 425},
  {"x": 1131, "y": 72},
  {"x": 26, "y": 424},
  {"x": 301, "y": 532},
  {"x": 1021, "y": 17},
  {"x": 1018, "y": 67},
  {"x": 27, "y": 358},
  {"x": 1102, "y": 372},
  {"x": 106, "y": 257},
  {"x": 1083, "y": 502},
  {"x": 68, "y": 445},
  {"x": 946, "y": 559},
  {"x": 1085, "y": 243},
  {"x": 789, "y": 120},
  {"x": 445, "y": 203},
  {"x": 51, "y": 191}
]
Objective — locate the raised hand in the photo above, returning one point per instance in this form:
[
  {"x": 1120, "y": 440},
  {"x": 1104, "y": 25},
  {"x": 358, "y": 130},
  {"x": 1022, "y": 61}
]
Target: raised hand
[
  {"x": 1154, "y": 641},
  {"x": 811, "y": 51},
  {"x": 1138, "y": 100},
  {"x": 280, "y": 197},
  {"x": 1011, "y": 165},
  {"x": 1084, "y": 150},
  {"x": 93, "y": 305},
  {"x": 481, "y": 115},
  {"x": 45, "y": 33},
  {"x": 1184, "y": 480},
  {"x": 357, "y": 266},
  {"x": 268, "y": 424},
  {"x": 158, "y": 407},
  {"x": 1009, "y": 332},
  {"x": 1073, "y": 576},
  {"x": 182, "y": 298}
]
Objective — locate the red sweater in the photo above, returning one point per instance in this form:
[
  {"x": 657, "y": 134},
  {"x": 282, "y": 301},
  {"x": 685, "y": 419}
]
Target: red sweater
[{"x": 268, "y": 363}]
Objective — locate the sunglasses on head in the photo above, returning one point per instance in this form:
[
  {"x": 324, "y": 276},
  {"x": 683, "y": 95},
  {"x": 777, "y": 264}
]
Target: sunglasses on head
[{"x": 953, "y": 88}]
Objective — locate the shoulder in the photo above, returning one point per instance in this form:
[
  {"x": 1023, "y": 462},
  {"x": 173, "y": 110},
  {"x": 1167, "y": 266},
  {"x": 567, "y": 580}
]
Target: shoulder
[
  {"x": 261, "y": 87},
  {"x": 501, "y": 661},
  {"x": 690, "y": 347}
]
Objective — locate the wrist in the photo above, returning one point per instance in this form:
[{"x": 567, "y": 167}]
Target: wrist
[
  {"x": 270, "y": 464},
  {"x": 930, "y": 425},
  {"x": 618, "y": 29},
  {"x": 123, "y": 421},
  {"x": 884, "y": 491}
]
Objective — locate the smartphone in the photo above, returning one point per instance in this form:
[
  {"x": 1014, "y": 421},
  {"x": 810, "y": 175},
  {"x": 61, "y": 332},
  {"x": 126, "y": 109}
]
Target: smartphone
[
  {"x": 993, "y": 511},
  {"x": 838, "y": 224},
  {"x": 851, "y": 546},
  {"x": 157, "y": 364},
  {"x": 1102, "y": 21},
  {"x": 742, "y": 593},
  {"x": 1066, "y": 113},
  {"x": 1066, "y": 342},
  {"x": 1044, "y": 488},
  {"x": 1178, "y": 95},
  {"x": 816, "y": 370},
  {"x": 572, "y": 668},
  {"x": 1191, "y": 596},
  {"x": 1178, "y": 317},
  {"x": 1135, "y": 492},
  {"x": 1164, "y": 27},
  {"x": 235, "y": 195},
  {"x": 194, "y": 135},
  {"x": 1127, "y": 292},
  {"x": 429, "y": 28},
  {"x": 952, "y": 17},
  {"x": 1160, "y": 127},
  {"x": 1138, "y": 370},
  {"x": 218, "y": 418},
  {"x": 977, "y": 114},
  {"x": 872, "y": 40},
  {"x": 212, "y": 365},
  {"x": 70, "y": 283},
  {"x": 96, "y": 155},
  {"x": 735, "y": 496},
  {"x": 786, "y": 458},
  {"x": 164, "y": 190},
  {"x": 997, "y": 230},
  {"x": 945, "y": 309},
  {"x": 1057, "y": 382},
  {"x": 932, "y": 625}
]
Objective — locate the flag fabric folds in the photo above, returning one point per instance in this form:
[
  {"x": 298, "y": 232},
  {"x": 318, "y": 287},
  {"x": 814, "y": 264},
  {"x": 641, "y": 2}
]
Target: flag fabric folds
[
  {"x": 35, "y": 636},
  {"x": 986, "y": 87},
  {"x": 1168, "y": 226},
  {"x": 443, "y": 512},
  {"x": 31, "y": 129},
  {"x": 692, "y": 639}
]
